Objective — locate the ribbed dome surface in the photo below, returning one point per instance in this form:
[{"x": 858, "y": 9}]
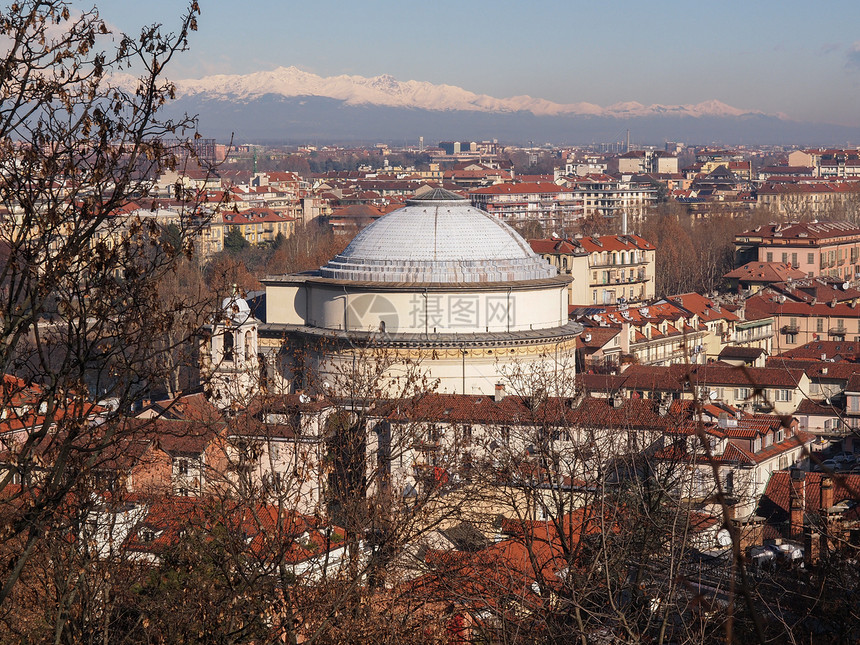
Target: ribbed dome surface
[{"x": 438, "y": 238}]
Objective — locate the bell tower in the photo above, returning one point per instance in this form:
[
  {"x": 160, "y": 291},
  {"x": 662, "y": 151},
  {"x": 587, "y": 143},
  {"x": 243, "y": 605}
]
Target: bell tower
[{"x": 231, "y": 366}]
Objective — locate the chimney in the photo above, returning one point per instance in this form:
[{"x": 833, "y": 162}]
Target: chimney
[
  {"x": 730, "y": 504},
  {"x": 826, "y": 491},
  {"x": 797, "y": 504},
  {"x": 500, "y": 392},
  {"x": 749, "y": 531},
  {"x": 811, "y": 546},
  {"x": 617, "y": 400}
]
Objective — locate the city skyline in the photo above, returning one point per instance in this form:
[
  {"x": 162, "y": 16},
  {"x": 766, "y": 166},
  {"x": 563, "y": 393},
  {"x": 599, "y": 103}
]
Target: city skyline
[{"x": 777, "y": 58}]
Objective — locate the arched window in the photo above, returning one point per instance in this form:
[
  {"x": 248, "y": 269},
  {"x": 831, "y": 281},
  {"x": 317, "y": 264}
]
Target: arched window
[
  {"x": 228, "y": 345},
  {"x": 248, "y": 354}
]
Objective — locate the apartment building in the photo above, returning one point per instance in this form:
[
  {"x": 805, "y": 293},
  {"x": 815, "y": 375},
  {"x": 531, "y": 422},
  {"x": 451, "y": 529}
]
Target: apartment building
[
  {"x": 612, "y": 197},
  {"x": 606, "y": 270},
  {"x": 644, "y": 162},
  {"x": 828, "y": 162},
  {"x": 807, "y": 198},
  {"x": 799, "y": 323},
  {"x": 725, "y": 325},
  {"x": 552, "y": 206},
  {"x": 816, "y": 248},
  {"x": 662, "y": 333},
  {"x": 257, "y": 225}
]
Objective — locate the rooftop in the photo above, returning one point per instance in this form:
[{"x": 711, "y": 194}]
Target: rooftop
[{"x": 438, "y": 238}]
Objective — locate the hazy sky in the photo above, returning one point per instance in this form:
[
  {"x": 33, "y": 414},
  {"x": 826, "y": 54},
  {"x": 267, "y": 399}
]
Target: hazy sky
[{"x": 791, "y": 56}]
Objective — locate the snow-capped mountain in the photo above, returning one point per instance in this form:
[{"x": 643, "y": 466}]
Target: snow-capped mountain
[{"x": 387, "y": 91}]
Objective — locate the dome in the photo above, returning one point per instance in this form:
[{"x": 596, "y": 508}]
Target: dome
[
  {"x": 438, "y": 238},
  {"x": 236, "y": 309}
]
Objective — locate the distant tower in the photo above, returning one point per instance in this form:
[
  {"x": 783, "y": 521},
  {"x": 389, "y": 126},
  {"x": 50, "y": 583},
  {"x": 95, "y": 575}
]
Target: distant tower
[
  {"x": 229, "y": 358},
  {"x": 420, "y": 144}
]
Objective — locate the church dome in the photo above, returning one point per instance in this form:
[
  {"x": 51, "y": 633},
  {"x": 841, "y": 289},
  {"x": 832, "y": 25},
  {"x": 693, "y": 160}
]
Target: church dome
[
  {"x": 236, "y": 309},
  {"x": 440, "y": 238}
]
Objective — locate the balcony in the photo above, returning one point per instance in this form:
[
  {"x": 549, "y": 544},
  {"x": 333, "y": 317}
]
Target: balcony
[
  {"x": 836, "y": 331},
  {"x": 789, "y": 329},
  {"x": 609, "y": 265},
  {"x": 425, "y": 445}
]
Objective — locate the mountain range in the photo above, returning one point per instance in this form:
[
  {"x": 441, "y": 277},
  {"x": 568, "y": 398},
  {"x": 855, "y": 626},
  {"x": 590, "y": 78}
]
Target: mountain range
[{"x": 288, "y": 104}]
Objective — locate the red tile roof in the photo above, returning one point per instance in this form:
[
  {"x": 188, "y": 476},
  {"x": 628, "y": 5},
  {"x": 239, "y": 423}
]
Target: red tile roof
[{"x": 765, "y": 272}]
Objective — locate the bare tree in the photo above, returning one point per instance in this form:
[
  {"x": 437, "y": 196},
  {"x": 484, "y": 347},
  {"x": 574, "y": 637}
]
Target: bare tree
[{"x": 81, "y": 137}]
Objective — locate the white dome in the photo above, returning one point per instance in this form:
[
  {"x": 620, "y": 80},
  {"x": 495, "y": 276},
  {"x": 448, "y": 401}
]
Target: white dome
[
  {"x": 438, "y": 238},
  {"x": 236, "y": 309}
]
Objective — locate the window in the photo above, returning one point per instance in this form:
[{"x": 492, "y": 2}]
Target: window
[
  {"x": 769, "y": 256},
  {"x": 790, "y": 339},
  {"x": 228, "y": 345},
  {"x": 840, "y": 324},
  {"x": 783, "y": 396},
  {"x": 810, "y": 258},
  {"x": 819, "y": 324},
  {"x": 794, "y": 260},
  {"x": 742, "y": 393},
  {"x": 780, "y": 435},
  {"x": 182, "y": 467},
  {"x": 785, "y": 258},
  {"x": 757, "y": 444},
  {"x": 467, "y": 435},
  {"x": 248, "y": 345}
]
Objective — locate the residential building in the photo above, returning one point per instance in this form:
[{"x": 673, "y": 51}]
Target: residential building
[
  {"x": 722, "y": 322},
  {"x": 828, "y": 162},
  {"x": 610, "y": 197},
  {"x": 257, "y": 225},
  {"x": 814, "y": 509},
  {"x": 808, "y": 199},
  {"x": 799, "y": 323},
  {"x": 753, "y": 276},
  {"x": 754, "y": 389},
  {"x": 661, "y": 333},
  {"x": 745, "y": 449},
  {"x": 606, "y": 270},
  {"x": 644, "y": 162},
  {"x": 553, "y": 207},
  {"x": 816, "y": 248}
]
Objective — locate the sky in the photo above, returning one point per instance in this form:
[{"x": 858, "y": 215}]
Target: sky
[{"x": 797, "y": 58}]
